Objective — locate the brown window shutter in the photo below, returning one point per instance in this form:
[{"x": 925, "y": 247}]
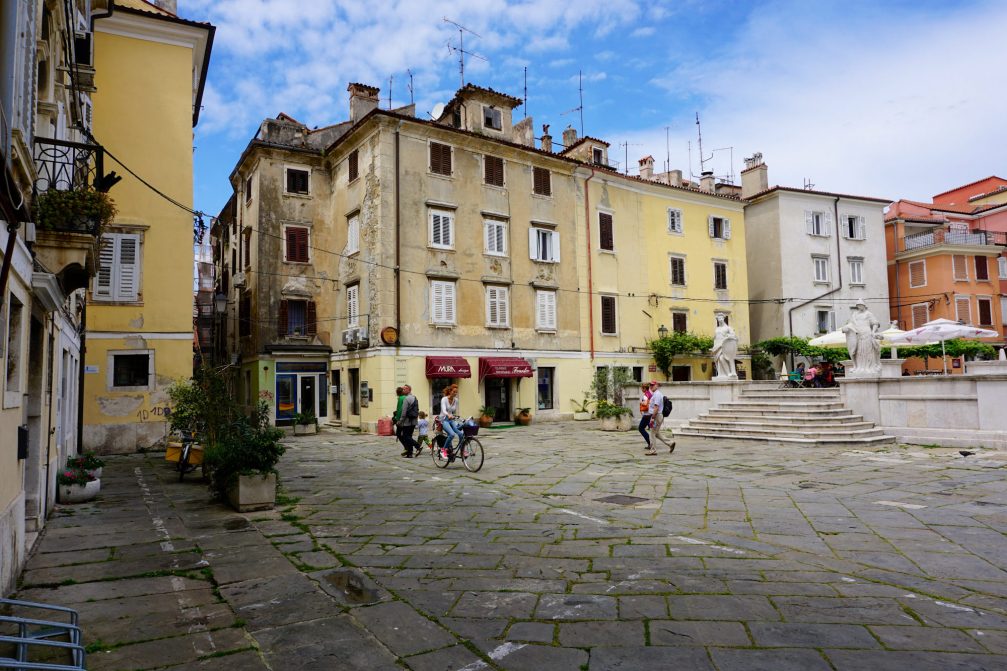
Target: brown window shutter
[
  {"x": 985, "y": 312},
  {"x": 608, "y": 314},
  {"x": 493, "y": 171},
  {"x": 352, "y": 166},
  {"x": 311, "y": 327},
  {"x": 606, "y": 237},
  {"x": 282, "y": 320},
  {"x": 541, "y": 182},
  {"x": 440, "y": 158},
  {"x": 982, "y": 270}
]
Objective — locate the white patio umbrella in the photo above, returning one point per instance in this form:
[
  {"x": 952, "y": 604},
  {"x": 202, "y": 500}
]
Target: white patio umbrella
[
  {"x": 941, "y": 330},
  {"x": 890, "y": 336}
]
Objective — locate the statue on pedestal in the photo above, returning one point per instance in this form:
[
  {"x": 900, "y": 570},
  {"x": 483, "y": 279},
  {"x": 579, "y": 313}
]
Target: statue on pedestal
[
  {"x": 863, "y": 342},
  {"x": 725, "y": 349}
]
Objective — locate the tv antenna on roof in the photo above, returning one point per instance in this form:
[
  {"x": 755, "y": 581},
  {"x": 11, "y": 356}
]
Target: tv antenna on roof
[
  {"x": 411, "y": 101},
  {"x": 580, "y": 107},
  {"x": 702, "y": 161},
  {"x": 626, "y": 146},
  {"x": 461, "y": 48}
]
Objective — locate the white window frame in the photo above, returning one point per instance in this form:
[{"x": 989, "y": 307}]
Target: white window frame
[
  {"x": 1002, "y": 267},
  {"x": 856, "y": 268},
  {"x": 110, "y": 372},
  {"x": 545, "y": 310},
  {"x": 497, "y": 114},
  {"x": 430, "y": 167},
  {"x": 917, "y": 286},
  {"x": 684, "y": 313},
  {"x": 118, "y": 271},
  {"x": 490, "y": 238},
  {"x": 535, "y": 252},
  {"x": 498, "y": 299},
  {"x": 448, "y": 314},
  {"x": 954, "y": 268},
  {"x": 725, "y": 227},
  {"x": 301, "y": 168},
  {"x": 859, "y": 227},
  {"x": 286, "y": 255},
  {"x": 818, "y": 223},
  {"x": 831, "y": 319},
  {"x": 912, "y": 313},
  {"x": 685, "y": 270},
  {"x": 958, "y": 316},
  {"x": 988, "y": 299},
  {"x": 450, "y": 216},
  {"x": 675, "y": 221},
  {"x": 1003, "y": 310},
  {"x": 353, "y": 306},
  {"x": 820, "y": 261},
  {"x": 352, "y": 233}
]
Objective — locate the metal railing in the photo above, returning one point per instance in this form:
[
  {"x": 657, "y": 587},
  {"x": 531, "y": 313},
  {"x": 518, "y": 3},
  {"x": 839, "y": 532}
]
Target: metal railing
[
  {"x": 943, "y": 236},
  {"x": 66, "y": 166}
]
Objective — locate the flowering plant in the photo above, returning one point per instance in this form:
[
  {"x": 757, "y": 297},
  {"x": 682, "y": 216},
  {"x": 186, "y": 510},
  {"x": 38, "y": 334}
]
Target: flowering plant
[
  {"x": 85, "y": 462},
  {"x": 74, "y": 476}
]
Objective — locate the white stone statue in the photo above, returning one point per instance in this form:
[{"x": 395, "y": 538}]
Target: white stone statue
[
  {"x": 725, "y": 349},
  {"x": 863, "y": 342}
]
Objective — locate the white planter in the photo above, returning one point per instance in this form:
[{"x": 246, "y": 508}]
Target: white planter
[
  {"x": 581, "y": 416},
  {"x": 96, "y": 472},
  {"x": 620, "y": 423},
  {"x": 79, "y": 493},
  {"x": 305, "y": 429},
  {"x": 253, "y": 492}
]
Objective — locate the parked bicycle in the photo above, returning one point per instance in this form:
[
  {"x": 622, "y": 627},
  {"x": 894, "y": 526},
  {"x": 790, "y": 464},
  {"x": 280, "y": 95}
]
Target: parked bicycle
[
  {"x": 187, "y": 452},
  {"x": 468, "y": 449}
]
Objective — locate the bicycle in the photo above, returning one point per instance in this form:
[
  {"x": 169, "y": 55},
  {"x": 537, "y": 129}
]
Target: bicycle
[
  {"x": 468, "y": 448},
  {"x": 190, "y": 454}
]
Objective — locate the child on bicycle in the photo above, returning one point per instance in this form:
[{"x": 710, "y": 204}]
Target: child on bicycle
[{"x": 424, "y": 426}]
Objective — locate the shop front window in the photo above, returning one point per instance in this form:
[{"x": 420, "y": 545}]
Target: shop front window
[
  {"x": 286, "y": 398},
  {"x": 546, "y": 383}
]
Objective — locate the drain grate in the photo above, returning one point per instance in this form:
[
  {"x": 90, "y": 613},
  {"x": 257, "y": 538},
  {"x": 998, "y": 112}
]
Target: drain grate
[{"x": 622, "y": 499}]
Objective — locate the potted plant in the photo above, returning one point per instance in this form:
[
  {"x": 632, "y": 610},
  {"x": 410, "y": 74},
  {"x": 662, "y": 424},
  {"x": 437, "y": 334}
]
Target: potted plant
[
  {"x": 75, "y": 211},
  {"x": 613, "y": 417},
  {"x": 305, "y": 424},
  {"x": 523, "y": 416},
  {"x": 486, "y": 415},
  {"x": 242, "y": 463},
  {"x": 582, "y": 409},
  {"x": 76, "y": 485},
  {"x": 86, "y": 462}
]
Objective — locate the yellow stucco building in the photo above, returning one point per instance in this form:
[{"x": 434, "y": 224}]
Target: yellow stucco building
[{"x": 150, "y": 69}]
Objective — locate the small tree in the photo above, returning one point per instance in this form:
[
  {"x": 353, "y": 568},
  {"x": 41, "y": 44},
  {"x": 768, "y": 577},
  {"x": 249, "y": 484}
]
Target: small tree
[
  {"x": 203, "y": 404},
  {"x": 675, "y": 344}
]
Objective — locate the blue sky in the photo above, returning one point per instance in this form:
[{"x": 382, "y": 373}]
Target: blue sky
[{"x": 894, "y": 99}]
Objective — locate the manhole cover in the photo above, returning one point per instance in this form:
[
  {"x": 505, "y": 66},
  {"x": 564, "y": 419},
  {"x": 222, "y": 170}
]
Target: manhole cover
[
  {"x": 236, "y": 523},
  {"x": 622, "y": 499}
]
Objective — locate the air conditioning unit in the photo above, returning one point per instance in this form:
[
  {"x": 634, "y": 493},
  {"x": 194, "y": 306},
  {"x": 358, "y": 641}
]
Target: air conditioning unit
[
  {"x": 361, "y": 337},
  {"x": 238, "y": 280},
  {"x": 350, "y": 338}
]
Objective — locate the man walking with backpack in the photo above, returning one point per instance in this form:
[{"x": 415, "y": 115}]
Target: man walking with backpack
[
  {"x": 660, "y": 407},
  {"x": 407, "y": 422}
]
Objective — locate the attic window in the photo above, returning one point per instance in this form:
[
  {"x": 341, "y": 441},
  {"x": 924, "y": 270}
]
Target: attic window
[
  {"x": 492, "y": 118},
  {"x": 596, "y": 155}
]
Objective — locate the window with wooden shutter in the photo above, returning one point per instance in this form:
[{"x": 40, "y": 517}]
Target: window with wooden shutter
[
  {"x": 248, "y": 189},
  {"x": 679, "y": 322},
  {"x": 545, "y": 310},
  {"x": 1003, "y": 310},
  {"x": 297, "y": 244},
  {"x": 720, "y": 228},
  {"x": 674, "y": 220},
  {"x": 353, "y": 234},
  {"x": 496, "y": 237},
  {"x": 856, "y": 270},
  {"x": 606, "y": 237},
  {"x": 246, "y": 239},
  {"x": 961, "y": 266},
  {"x": 982, "y": 269},
  {"x": 821, "y": 265},
  {"x": 245, "y": 314},
  {"x": 442, "y": 302},
  {"x": 351, "y": 166},
  {"x": 442, "y": 229},
  {"x": 353, "y": 306},
  {"x": 497, "y": 306},
  {"x": 543, "y": 245},
  {"x": 541, "y": 182},
  {"x": 493, "y": 170},
  {"x": 440, "y": 158},
  {"x": 918, "y": 273},
  {"x": 963, "y": 309},
  {"x": 281, "y": 320},
  {"x": 297, "y": 181},
  {"x": 311, "y": 319},
  {"x": 720, "y": 276},
  {"x": 118, "y": 276},
  {"x": 921, "y": 314},
  {"x": 608, "y": 317},
  {"x": 985, "y": 306},
  {"x": 678, "y": 271}
]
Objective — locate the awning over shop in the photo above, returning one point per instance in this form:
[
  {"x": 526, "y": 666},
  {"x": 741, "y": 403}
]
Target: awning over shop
[
  {"x": 448, "y": 366},
  {"x": 503, "y": 366}
]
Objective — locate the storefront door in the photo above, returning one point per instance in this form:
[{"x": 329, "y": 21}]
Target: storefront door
[
  {"x": 498, "y": 398},
  {"x": 308, "y": 395}
]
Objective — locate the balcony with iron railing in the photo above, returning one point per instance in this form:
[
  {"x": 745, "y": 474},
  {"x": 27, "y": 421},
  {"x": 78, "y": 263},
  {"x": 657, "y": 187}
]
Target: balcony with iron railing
[{"x": 951, "y": 238}]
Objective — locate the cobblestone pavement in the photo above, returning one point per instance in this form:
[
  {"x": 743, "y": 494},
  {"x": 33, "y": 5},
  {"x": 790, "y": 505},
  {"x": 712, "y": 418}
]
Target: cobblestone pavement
[{"x": 721, "y": 556}]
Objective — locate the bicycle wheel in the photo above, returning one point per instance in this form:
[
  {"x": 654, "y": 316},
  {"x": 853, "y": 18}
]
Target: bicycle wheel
[
  {"x": 440, "y": 459},
  {"x": 183, "y": 461},
  {"x": 472, "y": 454}
]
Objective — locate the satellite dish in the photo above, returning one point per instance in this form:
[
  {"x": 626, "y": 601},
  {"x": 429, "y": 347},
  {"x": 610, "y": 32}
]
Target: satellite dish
[{"x": 437, "y": 111}]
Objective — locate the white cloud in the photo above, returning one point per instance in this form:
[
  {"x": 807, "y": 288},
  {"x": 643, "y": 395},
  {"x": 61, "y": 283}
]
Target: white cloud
[{"x": 645, "y": 31}]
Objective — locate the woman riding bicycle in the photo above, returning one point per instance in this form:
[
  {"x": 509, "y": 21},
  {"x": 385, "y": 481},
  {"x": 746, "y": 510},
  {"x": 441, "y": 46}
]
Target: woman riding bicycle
[{"x": 449, "y": 415}]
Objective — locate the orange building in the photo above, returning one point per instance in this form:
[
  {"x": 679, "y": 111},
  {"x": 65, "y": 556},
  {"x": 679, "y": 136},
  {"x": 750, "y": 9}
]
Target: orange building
[{"x": 947, "y": 259}]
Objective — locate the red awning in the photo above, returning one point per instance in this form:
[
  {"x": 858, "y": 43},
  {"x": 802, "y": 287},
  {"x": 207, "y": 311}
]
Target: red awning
[
  {"x": 503, "y": 366},
  {"x": 448, "y": 366}
]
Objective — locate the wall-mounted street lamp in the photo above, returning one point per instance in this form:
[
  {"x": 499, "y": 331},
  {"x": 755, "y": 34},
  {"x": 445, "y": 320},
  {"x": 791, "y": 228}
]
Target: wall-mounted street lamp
[
  {"x": 662, "y": 332},
  {"x": 220, "y": 303}
]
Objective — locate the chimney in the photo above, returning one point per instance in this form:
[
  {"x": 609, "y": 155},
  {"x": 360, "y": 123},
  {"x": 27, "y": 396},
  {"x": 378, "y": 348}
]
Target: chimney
[
  {"x": 547, "y": 141},
  {"x": 647, "y": 167},
  {"x": 569, "y": 137},
  {"x": 363, "y": 99},
  {"x": 706, "y": 181},
  {"x": 755, "y": 176},
  {"x": 167, "y": 5},
  {"x": 675, "y": 177}
]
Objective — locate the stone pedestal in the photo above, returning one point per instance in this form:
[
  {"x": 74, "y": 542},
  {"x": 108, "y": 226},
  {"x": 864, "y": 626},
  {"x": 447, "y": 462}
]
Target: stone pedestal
[
  {"x": 892, "y": 367},
  {"x": 998, "y": 367}
]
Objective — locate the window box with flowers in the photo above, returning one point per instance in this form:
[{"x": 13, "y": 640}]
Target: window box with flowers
[
  {"x": 77, "y": 486},
  {"x": 77, "y": 211}
]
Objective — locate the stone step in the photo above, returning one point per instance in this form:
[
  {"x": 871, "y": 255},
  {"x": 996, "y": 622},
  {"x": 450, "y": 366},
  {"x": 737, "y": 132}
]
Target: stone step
[
  {"x": 791, "y": 394},
  {"x": 832, "y": 441},
  {"x": 785, "y": 432},
  {"x": 788, "y": 414},
  {"x": 772, "y": 405},
  {"x": 818, "y": 426}
]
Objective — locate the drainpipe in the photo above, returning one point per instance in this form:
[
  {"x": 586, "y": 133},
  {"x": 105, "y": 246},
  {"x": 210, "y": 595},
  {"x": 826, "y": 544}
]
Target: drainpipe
[
  {"x": 80, "y": 375},
  {"x": 590, "y": 276},
  {"x": 839, "y": 278},
  {"x": 52, "y": 390}
]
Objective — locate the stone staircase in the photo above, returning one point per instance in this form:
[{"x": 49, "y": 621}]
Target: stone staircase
[{"x": 813, "y": 417}]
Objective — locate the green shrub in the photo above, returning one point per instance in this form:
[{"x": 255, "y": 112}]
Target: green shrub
[
  {"x": 677, "y": 343},
  {"x": 249, "y": 445},
  {"x": 606, "y": 409}
]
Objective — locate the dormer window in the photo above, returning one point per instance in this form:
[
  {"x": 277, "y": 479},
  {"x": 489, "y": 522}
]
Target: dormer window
[
  {"x": 597, "y": 156},
  {"x": 492, "y": 118}
]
